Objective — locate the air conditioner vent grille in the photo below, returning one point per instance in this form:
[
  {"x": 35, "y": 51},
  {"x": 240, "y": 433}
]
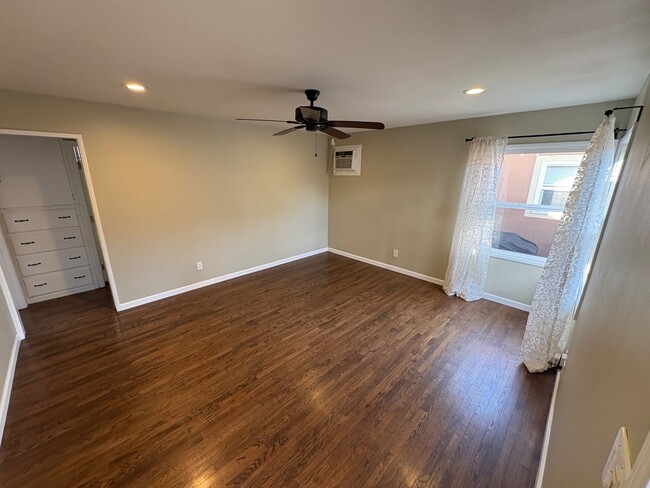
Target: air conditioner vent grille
[{"x": 347, "y": 160}]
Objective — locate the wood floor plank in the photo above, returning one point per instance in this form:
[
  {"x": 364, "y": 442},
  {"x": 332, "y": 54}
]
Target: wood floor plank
[{"x": 320, "y": 373}]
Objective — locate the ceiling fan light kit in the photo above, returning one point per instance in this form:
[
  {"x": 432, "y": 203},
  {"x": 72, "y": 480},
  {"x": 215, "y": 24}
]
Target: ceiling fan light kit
[{"x": 314, "y": 119}]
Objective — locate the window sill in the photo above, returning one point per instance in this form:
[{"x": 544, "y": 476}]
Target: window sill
[
  {"x": 541, "y": 215},
  {"x": 516, "y": 257}
]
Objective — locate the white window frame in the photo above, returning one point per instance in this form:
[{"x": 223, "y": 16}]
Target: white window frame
[
  {"x": 518, "y": 257},
  {"x": 551, "y": 147},
  {"x": 537, "y": 184}
]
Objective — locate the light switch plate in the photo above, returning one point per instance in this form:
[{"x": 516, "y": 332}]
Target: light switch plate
[{"x": 618, "y": 466}]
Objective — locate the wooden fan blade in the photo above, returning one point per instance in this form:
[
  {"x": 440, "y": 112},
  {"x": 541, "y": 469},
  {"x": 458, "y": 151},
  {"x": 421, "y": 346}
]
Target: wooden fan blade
[
  {"x": 271, "y": 120},
  {"x": 334, "y": 132},
  {"x": 355, "y": 124},
  {"x": 286, "y": 131},
  {"x": 310, "y": 114}
]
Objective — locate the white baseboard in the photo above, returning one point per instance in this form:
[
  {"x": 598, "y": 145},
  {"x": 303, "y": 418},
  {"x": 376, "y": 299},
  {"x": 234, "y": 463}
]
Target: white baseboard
[
  {"x": 212, "y": 281},
  {"x": 547, "y": 433},
  {"x": 507, "y": 301},
  {"x": 177, "y": 291},
  {"x": 6, "y": 387},
  {"x": 390, "y": 267},
  {"x": 431, "y": 279}
]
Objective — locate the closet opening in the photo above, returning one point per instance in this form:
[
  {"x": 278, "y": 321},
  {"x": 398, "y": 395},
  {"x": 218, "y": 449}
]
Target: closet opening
[{"x": 51, "y": 240}]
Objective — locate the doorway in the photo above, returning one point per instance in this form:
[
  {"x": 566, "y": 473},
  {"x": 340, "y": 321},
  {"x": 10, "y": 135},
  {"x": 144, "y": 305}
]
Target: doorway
[{"x": 51, "y": 239}]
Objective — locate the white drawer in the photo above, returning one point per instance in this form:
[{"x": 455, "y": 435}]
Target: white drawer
[
  {"x": 28, "y": 220},
  {"x": 45, "y": 240},
  {"x": 57, "y": 281},
  {"x": 45, "y": 262}
]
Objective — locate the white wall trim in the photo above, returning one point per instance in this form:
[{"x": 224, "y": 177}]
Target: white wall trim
[
  {"x": 518, "y": 257},
  {"x": 430, "y": 279},
  {"x": 6, "y": 387},
  {"x": 640, "y": 476},
  {"x": 18, "y": 298},
  {"x": 507, "y": 301},
  {"x": 13, "y": 311},
  {"x": 547, "y": 433},
  {"x": 98, "y": 221},
  {"x": 213, "y": 281},
  {"x": 91, "y": 195},
  {"x": 390, "y": 267}
]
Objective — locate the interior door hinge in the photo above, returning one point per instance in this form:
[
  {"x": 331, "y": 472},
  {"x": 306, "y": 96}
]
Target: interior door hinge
[
  {"x": 103, "y": 268},
  {"x": 92, "y": 219},
  {"x": 77, "y": 155}
]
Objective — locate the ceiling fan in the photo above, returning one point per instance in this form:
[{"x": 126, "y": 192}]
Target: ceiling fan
[{"x": 314, "y": 119}]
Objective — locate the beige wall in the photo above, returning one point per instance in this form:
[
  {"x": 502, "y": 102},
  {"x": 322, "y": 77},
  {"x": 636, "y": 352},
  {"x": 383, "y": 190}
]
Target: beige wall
[
  {"x": 606, "y": 382},
  {"x": 175, "y": 189},
  {"x": 407, "y": 195},
  {"x": 514, "y": 281}
]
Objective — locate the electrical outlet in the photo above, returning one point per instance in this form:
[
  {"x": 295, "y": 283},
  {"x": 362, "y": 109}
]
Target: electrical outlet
[
  {"x": 199, "y": 265},
  {"x": 395, "y": 253}
]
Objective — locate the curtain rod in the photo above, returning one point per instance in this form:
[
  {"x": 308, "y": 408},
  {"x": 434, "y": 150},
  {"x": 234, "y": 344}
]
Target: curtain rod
[{"x": 607, "y": 113}]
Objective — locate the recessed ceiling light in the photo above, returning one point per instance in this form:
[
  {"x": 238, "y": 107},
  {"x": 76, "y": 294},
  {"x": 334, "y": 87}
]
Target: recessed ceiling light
[
  {"x": 473, "y": 91},
  {"x": 135, "y": 87}
]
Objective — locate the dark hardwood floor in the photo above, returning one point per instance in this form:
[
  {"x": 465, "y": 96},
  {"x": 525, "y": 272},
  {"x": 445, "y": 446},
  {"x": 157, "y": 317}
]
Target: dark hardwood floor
[{"x": 320, "y": 373}]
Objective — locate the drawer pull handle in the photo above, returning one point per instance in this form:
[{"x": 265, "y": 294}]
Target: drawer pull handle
[
  {"x": 75, "y": 257},
  {"x": 33, "y": 264},
  {"x": 26, "y": 243},
  {"x": 68, "y": 238},
  {"x": 65, "y": 217},
  {"x": 79, "y": 277},
  {"x": 21, "y": 220},
  {"x": 42, "y": 284}
]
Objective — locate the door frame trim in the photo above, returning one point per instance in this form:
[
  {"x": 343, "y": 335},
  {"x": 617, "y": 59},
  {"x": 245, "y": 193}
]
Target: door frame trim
[
  {"x": 5, "y": 290},
  {"x": 91, "y": 195}
]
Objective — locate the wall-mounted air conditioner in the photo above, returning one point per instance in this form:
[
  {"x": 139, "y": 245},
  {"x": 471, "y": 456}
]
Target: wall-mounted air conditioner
[{"x": 347, "y": 160}]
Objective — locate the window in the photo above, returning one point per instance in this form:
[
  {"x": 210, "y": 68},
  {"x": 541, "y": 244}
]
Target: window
[
  {"x": 551, "y": 183},
  {"x": 533, "y": 188}
]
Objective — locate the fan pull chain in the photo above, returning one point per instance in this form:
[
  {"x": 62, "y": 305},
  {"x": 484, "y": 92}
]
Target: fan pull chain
[{"x": 315, "y": 144}]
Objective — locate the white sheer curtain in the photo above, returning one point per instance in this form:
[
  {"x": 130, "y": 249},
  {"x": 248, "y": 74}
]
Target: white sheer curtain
[
  {"x": 550, "y": 321},
  {"x": 470, "y": 249}
]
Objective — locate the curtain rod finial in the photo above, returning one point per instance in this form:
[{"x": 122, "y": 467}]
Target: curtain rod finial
[{"x": 608, "y": 112}]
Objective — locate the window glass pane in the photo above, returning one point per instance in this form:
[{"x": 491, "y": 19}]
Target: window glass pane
[
  {"x": 523, "y": 175},
  {"x": 523, "y": 231},
  {"x": 560, "y": 176},
  {"x": 516, "y": 177},
  {"x": 554, "y": 197}
]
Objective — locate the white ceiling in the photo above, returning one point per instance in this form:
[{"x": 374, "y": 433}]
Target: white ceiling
[{"x": 401, "y": 62}]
